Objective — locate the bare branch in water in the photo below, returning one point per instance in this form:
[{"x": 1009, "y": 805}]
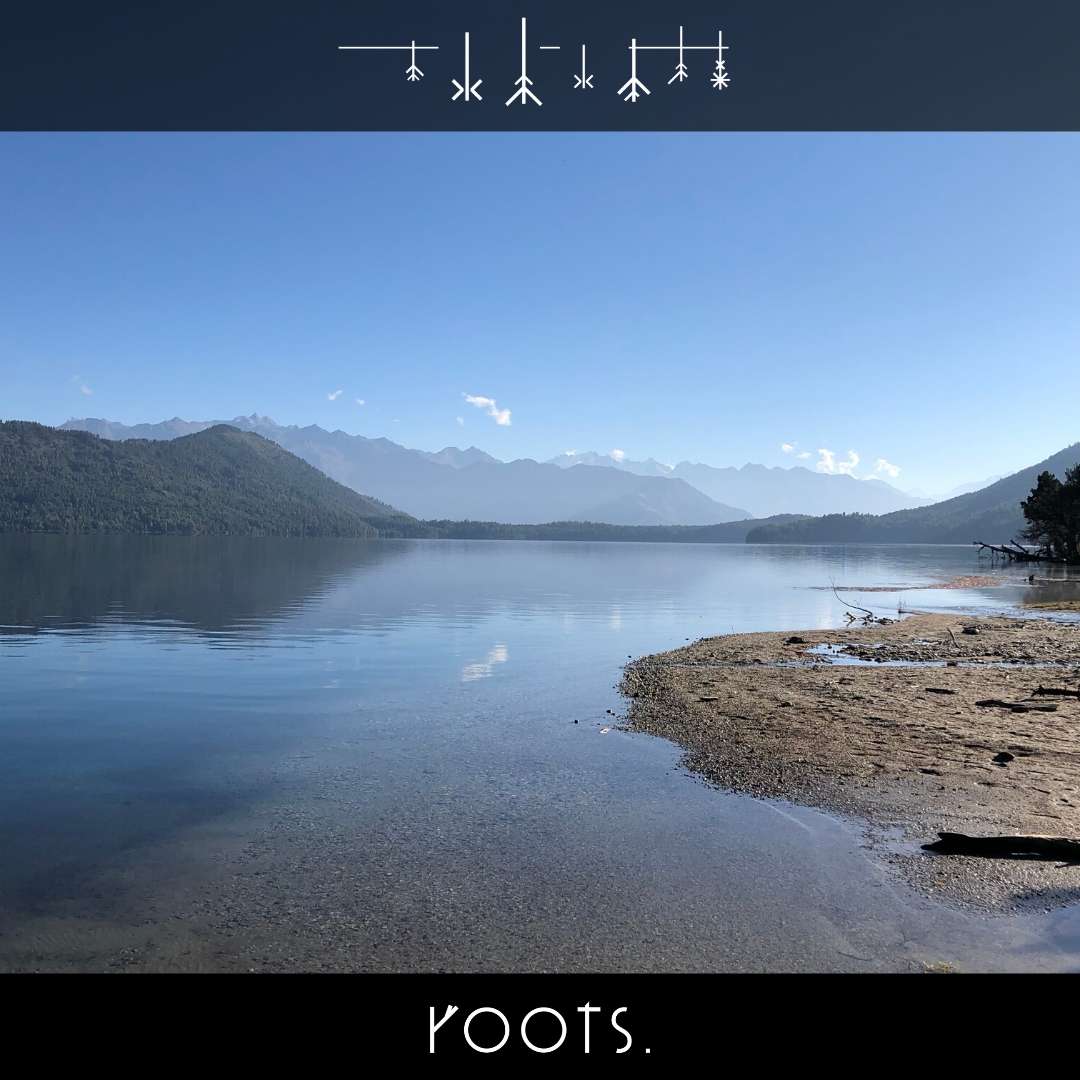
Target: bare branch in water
[{"x": 854, "y": 607}]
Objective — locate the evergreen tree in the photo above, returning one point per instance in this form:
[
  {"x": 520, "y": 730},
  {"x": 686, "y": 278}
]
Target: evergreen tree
[{"x": 1053, "y": 514}]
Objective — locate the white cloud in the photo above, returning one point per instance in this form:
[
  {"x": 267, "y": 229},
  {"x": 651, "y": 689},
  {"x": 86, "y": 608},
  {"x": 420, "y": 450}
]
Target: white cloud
[
  {"x": 803, "y": 455},
  {"x": 887, "y": 467},
  {"x": 617, "y": 455},
  {"x": 85, "y": 390},
  {"x": 787, "y": 448},
  {"x": 334, "y": 395},
  {"x": 460, "y": 420},
  {"x": 360, "y": 401},
  {"x": 827, "y": 463},
  {"x": 500, "y": 416}
]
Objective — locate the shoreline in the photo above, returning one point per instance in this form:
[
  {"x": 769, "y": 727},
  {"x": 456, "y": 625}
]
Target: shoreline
[{"x": 894, "y": 725}]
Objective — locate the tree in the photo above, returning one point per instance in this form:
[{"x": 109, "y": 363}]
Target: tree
[{"x": 1053, "y": 514}]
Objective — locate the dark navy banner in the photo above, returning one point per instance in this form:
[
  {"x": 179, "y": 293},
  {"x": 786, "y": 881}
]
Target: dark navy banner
[{"x": 468, "y": 65}]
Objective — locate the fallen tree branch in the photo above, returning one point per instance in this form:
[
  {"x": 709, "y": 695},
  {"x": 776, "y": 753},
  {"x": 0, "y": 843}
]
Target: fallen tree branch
[
  {"x": 868, "y": 615},
  {"x": 1020, "y": 554},
  {"x": 1015, "y": 550},
  {"x": 1045, "y": 847}
]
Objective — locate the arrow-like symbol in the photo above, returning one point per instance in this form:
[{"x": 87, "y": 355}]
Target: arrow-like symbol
[
  {"x": 583, "y": 81},
  {"x": 412, "y": 72},
  {"x": 629, "y": 89},
  {"x": 523, "y": 94},
  {"x": 680, "y": 67},
  {"x": 469, "y": 89}
]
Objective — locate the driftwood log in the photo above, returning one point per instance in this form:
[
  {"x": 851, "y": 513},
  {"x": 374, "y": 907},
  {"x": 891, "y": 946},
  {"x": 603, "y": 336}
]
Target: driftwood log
[
  {"x": 1044, "y": 847},
  {"x": 1044, "y": 691},
  {"x": 1014, "y": 706}
]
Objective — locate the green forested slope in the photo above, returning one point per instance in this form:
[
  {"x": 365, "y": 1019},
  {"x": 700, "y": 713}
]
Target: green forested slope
[{"x": 220, "y": 481}]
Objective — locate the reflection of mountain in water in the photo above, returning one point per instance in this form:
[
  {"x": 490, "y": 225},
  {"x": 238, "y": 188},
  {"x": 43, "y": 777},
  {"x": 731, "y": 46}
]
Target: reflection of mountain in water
[
  {"x": 208, "y": 583},
  {"x": 239, "y": 590}
]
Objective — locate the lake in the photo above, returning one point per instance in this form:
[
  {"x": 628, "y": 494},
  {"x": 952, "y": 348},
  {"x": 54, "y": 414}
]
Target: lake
[{"x": 233, "y": 754}]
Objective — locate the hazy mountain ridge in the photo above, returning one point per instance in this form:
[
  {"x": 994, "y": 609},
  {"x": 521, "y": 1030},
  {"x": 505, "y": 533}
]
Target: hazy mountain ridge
[
  {"x": 991, "y": 514},
  {"x": 522, "y": 492},
  {"x": 768, "y": 490},
  {"x": 764, "y": 490},
  {"x": 648, "y": 467},
  {"x": 218, "y": 481}
]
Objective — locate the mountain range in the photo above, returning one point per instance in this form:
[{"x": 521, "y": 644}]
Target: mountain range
[
  {"x": 223, "y": 481},
  {"x": 763, "y": 490},
  {"x": 991, "y": 514},
  {"x": 465, "y": 484},
  {"x": 579, "y": 486}
]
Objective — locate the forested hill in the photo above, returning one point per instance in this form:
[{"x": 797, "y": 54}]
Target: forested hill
[
  {"x": 992, "y": 515},
  {"x": 220, "y": 481},
  {"x": 729, "y": 532}
]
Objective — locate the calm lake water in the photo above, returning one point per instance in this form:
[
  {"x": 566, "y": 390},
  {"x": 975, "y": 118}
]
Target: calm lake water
[{"x": 224, "y": 754}]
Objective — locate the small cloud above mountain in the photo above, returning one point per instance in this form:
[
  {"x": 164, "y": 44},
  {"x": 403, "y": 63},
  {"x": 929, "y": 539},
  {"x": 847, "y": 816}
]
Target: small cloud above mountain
[
  {"x": 334, "y": 395},
  {"x": 489, "y": 405},
  {"x": 887, "y": 467}
]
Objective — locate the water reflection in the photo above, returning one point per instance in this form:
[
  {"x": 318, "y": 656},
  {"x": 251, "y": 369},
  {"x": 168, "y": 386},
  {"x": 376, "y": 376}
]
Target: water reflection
[
  {"x": 483, "y": 670},
  {"x": 212, "y": 584},
  {"x": 232, "y": 590}
]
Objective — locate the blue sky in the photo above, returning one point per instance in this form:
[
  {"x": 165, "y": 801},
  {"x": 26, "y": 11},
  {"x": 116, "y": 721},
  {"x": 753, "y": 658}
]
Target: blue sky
[{"x": 911, "y": 298}]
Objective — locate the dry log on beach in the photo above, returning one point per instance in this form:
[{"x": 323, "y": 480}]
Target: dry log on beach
[
  {"x": 1014, "y": 706},
  {"x": 1044, "y": 690},
  {"x": 1047, "y": 847}
]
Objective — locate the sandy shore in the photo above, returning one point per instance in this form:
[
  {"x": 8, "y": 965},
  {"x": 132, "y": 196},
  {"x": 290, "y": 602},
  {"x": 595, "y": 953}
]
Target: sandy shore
[{"x": 893, "y": 724}]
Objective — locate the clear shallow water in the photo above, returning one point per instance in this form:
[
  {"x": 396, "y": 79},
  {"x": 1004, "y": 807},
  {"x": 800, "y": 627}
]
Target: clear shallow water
[{"x": 260, "y": 754}]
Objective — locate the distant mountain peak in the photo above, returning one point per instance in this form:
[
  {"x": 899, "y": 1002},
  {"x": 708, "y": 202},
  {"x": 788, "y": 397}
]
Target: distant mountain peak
[
  {"x": 254, "y": 418},
  {"x": 460, "y": 459}
]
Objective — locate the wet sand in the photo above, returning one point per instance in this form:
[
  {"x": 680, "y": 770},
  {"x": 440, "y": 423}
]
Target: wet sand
[{"x": 891, "y": 724}]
